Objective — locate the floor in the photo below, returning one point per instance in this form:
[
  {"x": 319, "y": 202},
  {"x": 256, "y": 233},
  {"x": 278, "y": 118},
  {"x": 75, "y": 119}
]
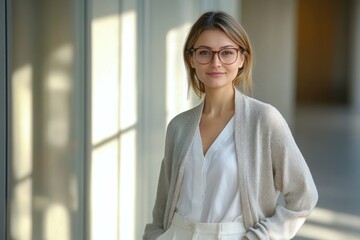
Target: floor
[{"x": 329, "y": 138}]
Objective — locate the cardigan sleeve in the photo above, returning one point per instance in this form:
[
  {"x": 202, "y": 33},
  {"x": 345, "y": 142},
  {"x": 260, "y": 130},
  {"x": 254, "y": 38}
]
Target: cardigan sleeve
[
  {"x": 155, "y": 229},
  {"x": 292, "y": 178}
]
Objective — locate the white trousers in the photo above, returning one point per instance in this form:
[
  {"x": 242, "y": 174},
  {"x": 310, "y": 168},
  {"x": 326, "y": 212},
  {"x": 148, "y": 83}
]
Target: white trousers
[{"x": 184, "y": 229}]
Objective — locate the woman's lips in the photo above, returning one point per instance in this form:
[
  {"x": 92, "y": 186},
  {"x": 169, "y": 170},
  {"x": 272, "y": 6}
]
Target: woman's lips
[{"x": 216, "y": 74}]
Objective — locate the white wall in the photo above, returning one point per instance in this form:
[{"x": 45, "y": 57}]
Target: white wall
[{"x": 271, "y": 26}]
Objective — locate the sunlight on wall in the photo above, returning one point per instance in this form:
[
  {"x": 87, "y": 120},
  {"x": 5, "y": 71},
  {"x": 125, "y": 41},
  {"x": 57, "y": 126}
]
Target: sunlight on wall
[
  {"x": 21, "y": 211},
  {"x": 58, "y": 89},
  {"x": 104, "y": 191},
  {"x": 22, "y": 124},
  {"x": 127, "y": 185},
  {"x": 42, "y": 148},
  {"x": 128, "y": 120},
  {"x": 128, "y": 95},
  {"x": 320, "y": 225},
  {"x": 114, "y": 119},
  {"x": 105, "y": 77},
  {"x": 57, "y": 222},
  {"x": 330, "y": 217},
  {"x": 105, "y": 125},
  {"x": 54, "y": 162},
  {"x": 176, "y": 78}
]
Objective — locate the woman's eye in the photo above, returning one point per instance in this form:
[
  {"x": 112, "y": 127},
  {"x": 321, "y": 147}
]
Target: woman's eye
[
  {"x": 227, "y": 52},
  {"x": 204, "y": 53}
]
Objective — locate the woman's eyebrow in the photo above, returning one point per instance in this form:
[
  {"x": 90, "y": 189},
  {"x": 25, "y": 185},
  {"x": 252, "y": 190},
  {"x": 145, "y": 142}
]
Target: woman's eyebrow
[{"x": 227, "y": 46}]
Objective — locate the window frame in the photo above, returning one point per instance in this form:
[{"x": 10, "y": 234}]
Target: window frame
[{"x": 4, "y": 103}]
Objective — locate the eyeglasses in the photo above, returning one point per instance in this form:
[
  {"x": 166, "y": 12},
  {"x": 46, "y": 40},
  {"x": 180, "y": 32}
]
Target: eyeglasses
[{"x": 226, "y": 55}]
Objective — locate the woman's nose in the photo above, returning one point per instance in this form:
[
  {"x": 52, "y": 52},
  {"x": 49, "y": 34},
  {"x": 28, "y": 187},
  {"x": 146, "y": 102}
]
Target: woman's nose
[{"x": 216, "y": 60}]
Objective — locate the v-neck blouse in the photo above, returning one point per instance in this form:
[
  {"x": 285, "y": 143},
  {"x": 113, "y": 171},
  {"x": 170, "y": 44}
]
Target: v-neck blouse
[{"x": 210, "y": 191}]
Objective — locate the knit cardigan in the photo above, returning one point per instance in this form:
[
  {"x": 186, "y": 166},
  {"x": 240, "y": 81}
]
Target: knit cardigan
[{"x": 269, "y": 163}]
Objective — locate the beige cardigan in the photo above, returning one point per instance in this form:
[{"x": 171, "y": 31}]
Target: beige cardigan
[{"x": 269, "y": 163}]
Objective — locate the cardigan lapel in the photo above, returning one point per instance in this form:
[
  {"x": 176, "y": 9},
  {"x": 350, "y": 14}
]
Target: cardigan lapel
[
  {"x": 241, "y": 123},
  {"x": 189, "y": 130},
  {"x": 187, "y": 134}
]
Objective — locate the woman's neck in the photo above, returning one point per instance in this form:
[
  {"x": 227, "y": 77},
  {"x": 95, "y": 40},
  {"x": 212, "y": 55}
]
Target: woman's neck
[{"x": 219, "y": 101}]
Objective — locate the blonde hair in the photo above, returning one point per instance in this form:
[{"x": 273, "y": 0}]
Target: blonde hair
[{"x": 227, "y": 24}]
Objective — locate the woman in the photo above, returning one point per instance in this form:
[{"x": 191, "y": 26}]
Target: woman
[{"x": 227, "y": 160}]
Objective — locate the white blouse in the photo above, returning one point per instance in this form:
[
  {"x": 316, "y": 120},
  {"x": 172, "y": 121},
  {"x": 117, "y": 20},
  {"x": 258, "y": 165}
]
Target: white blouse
[{"x": 210, "y": 191}]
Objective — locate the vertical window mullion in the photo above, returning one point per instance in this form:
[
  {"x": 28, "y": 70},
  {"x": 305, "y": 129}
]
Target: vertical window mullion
[
  {"x": 82, "y": 88},
  {"x": 87, "y": 115},
  {"x": 3, "y": 117}
]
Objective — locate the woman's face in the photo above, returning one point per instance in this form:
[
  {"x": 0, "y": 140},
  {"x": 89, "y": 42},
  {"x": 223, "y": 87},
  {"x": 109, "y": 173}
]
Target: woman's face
[{"x": 216, "y": 74}]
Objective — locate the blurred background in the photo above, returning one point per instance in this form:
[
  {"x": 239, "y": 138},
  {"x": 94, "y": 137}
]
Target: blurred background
[{"x": 87, "y": 88}]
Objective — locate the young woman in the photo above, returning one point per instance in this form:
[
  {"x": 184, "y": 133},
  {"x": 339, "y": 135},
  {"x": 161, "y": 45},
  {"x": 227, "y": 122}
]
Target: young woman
[{"x": 227, "y": 160}]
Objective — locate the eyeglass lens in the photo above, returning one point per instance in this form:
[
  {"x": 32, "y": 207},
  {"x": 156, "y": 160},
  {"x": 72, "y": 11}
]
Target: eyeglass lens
[{"x": 226, "y": 55}]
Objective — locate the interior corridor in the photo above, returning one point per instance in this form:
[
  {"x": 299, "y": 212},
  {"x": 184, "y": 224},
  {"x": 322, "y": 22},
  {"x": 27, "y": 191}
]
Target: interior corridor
[{"x": 329, "y": 138}]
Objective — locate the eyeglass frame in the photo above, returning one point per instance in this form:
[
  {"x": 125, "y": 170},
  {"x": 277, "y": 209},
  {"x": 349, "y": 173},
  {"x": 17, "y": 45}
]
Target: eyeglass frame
[{"x": 193, "y": 50}]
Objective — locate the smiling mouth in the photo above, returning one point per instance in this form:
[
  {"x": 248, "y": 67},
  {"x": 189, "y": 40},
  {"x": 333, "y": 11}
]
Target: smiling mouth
[{"x": 216, "y": 74}]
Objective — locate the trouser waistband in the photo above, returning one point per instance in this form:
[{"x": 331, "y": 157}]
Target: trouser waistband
[{"x": 209, "y": 228}]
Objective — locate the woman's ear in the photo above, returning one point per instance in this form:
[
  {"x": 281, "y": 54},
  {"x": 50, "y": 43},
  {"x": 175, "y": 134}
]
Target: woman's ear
[
  {"x": 191, "y": 60},
  {"x": 242, "y": 59}
]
